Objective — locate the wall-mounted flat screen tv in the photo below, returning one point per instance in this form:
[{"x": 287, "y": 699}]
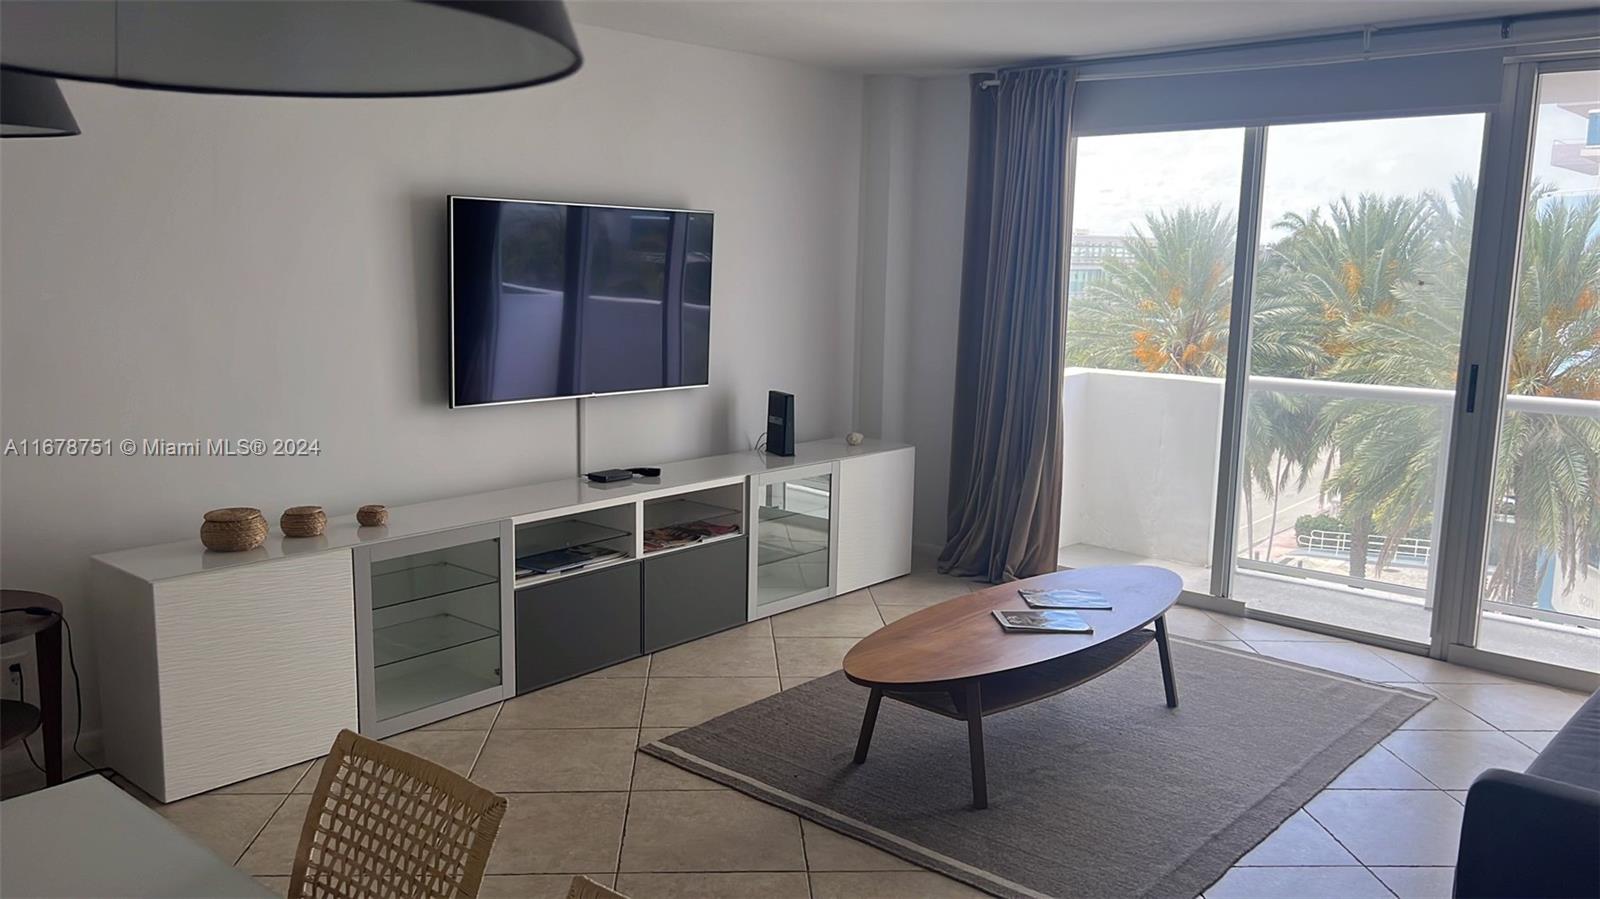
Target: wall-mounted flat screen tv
[{"x": 553, "y": 300}]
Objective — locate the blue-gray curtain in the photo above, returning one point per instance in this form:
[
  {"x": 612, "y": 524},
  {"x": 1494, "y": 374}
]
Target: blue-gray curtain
[{"x": 1004, "y": 516}]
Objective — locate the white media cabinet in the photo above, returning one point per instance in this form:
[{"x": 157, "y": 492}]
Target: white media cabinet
[{"x": 217, "y": 667}]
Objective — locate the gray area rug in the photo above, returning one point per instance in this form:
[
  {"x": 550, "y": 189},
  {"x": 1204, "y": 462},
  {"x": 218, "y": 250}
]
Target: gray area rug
[{"x": 1098, "y": 792}]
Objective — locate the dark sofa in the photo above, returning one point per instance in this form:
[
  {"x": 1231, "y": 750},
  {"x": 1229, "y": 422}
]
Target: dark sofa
[{"x": 1536, "y": 835}]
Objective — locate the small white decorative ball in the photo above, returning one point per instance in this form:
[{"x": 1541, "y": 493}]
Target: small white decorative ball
[{"x": 854, "y": 438}]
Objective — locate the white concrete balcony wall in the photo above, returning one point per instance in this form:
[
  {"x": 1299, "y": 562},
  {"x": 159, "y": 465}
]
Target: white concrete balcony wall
[{"x": 1140, "y": 462}]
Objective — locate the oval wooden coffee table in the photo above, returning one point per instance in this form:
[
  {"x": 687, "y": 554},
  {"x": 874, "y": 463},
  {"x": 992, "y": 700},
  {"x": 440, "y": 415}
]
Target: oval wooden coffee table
[{"x": 955, "y": 660}]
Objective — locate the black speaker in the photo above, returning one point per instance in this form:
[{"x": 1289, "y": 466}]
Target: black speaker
[{"x": 780, "y": 423}]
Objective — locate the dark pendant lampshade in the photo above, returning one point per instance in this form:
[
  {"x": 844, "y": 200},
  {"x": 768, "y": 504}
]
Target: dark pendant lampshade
[
  {"x": 32, "y": 106},
  {"x": 293, "y": 48}
]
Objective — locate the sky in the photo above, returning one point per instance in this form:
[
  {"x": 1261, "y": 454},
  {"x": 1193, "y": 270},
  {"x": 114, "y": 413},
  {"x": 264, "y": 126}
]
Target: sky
[{"x": 1121, "y": 177}]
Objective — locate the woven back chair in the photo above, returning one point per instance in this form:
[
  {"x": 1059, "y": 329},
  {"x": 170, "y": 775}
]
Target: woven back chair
[{"x": 385, "y": 824}]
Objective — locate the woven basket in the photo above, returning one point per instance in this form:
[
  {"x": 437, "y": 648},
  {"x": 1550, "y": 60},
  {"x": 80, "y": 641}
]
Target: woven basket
[
  {"x": 234, "y": 529},
  {"x": 303, "y": 521},
  {"x": 373, "y": 516}
]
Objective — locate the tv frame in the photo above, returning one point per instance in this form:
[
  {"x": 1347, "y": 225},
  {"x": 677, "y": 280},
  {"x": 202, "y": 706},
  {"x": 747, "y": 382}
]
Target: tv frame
[{"x": 450, "y": 202}]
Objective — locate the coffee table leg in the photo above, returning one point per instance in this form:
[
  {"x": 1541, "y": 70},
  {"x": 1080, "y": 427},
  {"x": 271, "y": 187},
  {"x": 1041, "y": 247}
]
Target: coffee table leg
[
  {"x": 980, "y": 779},
  {"x": 1167, "y": 680},
  {"x": 867, "y": 724}
]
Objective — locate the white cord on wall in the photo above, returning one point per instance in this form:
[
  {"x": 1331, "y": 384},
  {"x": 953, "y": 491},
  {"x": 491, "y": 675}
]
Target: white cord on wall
[{"x": 579, "y": 422}]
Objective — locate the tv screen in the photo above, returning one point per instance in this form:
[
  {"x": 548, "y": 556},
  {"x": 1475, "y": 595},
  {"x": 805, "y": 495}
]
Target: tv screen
[{"x": 553, "y": 300}]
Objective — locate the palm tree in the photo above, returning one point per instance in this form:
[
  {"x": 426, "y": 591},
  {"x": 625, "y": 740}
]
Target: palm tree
[
  {"x": 1356, "y": 267},
  {"x": 1285, "y": 435},
  {"x": 1165, "y": 307},
  {"x": 1548, "y": 465},
  {"x": 1351, "y": 263}
]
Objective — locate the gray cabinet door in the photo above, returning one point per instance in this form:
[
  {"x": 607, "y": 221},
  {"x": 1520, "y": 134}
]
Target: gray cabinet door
[
  {"x": 577, "y": 625},
  {"x": 694, "y": 592}
]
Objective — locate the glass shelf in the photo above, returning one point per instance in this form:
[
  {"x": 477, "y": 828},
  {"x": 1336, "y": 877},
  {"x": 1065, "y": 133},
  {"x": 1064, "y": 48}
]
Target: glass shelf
[
  {"x": 564, "y": 533},
  {"x": 790, "y": 535},
  {"x": 769, "y": 513},
  {"x": 407, "y": 688},
  {"x": 543, "y": 543},
  {"x": 767, "y": 554},
  {"x": 425, "y": 636},
  {"x": 668, "y": 512},
  {"x": 428, "y": 581},
  {"x": 779, "y": 578}
]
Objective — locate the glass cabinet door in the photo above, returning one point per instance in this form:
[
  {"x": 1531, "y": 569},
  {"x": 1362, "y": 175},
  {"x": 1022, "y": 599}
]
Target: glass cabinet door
[
  {"x": 795, "y": 526},
  {"x": 431, "y": 634}
]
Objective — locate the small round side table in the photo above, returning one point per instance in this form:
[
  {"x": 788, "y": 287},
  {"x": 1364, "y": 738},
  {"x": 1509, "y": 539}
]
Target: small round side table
[{"x": 23, "y": 614}]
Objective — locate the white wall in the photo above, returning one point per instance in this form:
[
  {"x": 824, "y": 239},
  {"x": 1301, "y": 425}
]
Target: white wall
[
  {"x": 939, "y": 211},
  {"x": 197, "y": 266},
  {"x": 888, "y": 145},
  {"x": 913, "y": 208}
]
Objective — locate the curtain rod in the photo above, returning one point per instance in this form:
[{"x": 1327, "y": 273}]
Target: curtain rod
[{"x": 1501, "y": 26}]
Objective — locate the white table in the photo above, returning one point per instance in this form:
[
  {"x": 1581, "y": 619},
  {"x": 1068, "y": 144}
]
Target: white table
[{"x": 87, "y": 839}]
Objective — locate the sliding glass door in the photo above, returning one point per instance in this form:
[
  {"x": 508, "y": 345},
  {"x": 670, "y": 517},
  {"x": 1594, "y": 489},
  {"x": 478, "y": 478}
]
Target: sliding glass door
[
  {"x": 1356, "y": 312},
  {"x": 1346, "y": 373},
  {"x": 1541, "y": 578}
]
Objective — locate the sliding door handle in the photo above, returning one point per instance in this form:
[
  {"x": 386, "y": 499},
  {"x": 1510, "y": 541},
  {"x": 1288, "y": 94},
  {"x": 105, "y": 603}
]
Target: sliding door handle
[{"x": 1472, "y": 388}]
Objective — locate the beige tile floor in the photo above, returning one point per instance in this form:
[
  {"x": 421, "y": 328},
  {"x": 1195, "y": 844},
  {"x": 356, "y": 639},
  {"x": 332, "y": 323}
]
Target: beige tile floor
[{"x": 582, "y": 800}]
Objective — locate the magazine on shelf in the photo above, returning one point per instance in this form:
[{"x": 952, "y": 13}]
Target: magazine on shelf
[
  {"x": 558, "y": 560},
  {"x": 1042, "y": 622},
  {"x": 1065, "y": 598},
  {"x": 656, "y": 539},
  {"x": 675, "y": 535}
]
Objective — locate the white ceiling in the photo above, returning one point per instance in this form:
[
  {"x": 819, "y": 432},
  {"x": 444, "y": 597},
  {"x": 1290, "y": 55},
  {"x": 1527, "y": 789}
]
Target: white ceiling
[{"x": 951, "y": 35}]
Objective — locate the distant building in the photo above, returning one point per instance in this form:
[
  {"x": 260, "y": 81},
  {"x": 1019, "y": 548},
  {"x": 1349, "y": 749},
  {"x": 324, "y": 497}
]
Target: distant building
[{"x": 1087, "y": 258}]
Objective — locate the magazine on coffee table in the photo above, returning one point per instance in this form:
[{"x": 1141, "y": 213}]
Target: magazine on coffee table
[
  {"x": 1042, "y": 622},
  {"x": 1065, "y": 598}
]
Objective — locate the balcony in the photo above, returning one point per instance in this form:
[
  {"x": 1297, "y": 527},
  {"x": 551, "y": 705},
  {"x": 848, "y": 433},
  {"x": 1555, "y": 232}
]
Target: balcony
[{"x": 1140, "y": 467}]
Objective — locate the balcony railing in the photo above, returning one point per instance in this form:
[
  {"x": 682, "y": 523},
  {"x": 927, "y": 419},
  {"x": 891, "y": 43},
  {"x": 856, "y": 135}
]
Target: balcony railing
[
  {"x": 1426, "y": 396},
  {"x": 1136, "y": 484},
  {"x": 1442, "y": 399}
]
